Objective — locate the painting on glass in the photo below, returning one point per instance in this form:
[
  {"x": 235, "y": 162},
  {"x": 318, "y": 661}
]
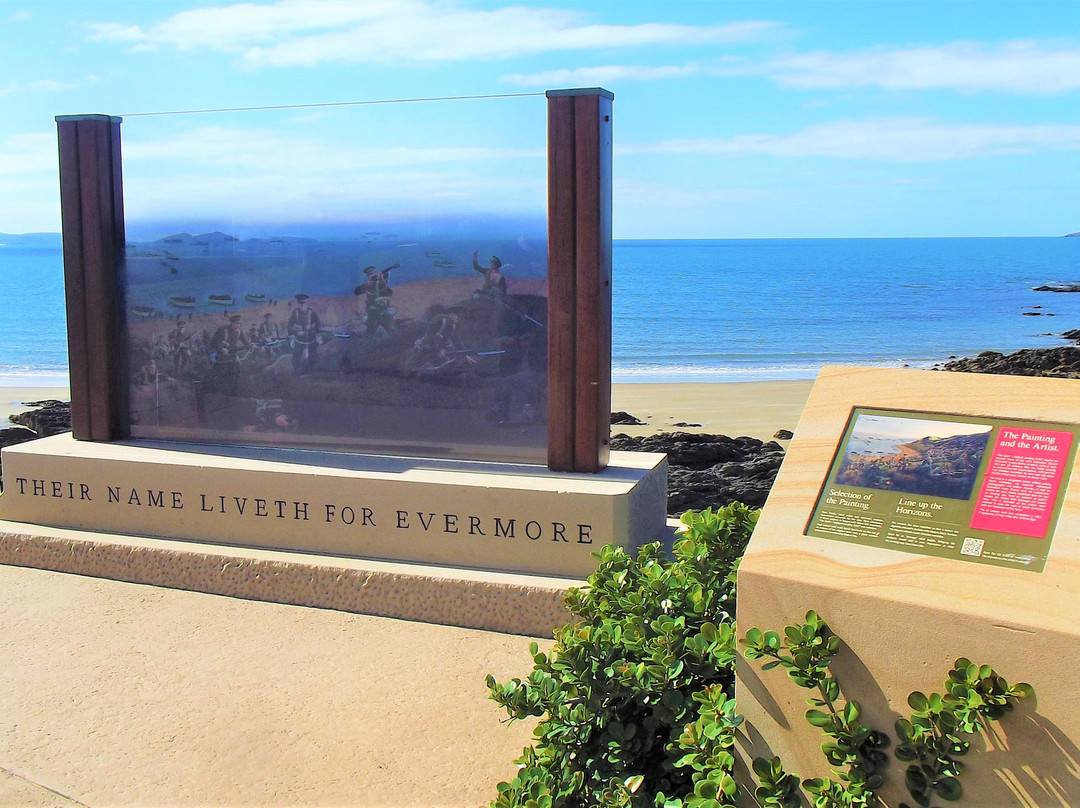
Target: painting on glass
[{"x": 422, "y": 333}]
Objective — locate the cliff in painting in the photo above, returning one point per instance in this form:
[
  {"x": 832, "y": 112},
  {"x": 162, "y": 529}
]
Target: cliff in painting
[{"x": 881, "y": 454}]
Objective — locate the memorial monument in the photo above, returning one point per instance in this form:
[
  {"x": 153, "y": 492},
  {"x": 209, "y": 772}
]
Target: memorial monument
[{"x": 435, "y": 394}]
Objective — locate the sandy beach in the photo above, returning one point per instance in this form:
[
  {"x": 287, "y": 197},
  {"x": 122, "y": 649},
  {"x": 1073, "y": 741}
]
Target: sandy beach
[{"x": 756, "y": 409}]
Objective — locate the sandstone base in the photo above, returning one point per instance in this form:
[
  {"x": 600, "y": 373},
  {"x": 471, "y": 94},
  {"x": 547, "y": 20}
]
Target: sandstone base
[
  {"x": 905, "y": 618},
  {"x": 492, "y": 516},
  {"x": 505, "y": 602}
]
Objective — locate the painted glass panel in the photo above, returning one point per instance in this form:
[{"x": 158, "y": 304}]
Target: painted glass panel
[{"x": 368, "y": 278}]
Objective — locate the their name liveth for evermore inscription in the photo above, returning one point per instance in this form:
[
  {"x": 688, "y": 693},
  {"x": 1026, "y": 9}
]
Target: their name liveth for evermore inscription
[{"x": 302, "y": 511}]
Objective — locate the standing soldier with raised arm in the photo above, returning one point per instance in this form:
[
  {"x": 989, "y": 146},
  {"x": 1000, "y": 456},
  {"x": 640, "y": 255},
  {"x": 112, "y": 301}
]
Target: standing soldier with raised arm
[{"x": 494, "y": 281}]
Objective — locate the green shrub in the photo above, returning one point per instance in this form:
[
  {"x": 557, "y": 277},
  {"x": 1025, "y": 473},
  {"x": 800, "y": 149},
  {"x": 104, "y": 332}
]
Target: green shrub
[
  {"x": 637, "y": 695},
  {"x": 636, "y": 699},
  {"x": 931, "y": 740}
]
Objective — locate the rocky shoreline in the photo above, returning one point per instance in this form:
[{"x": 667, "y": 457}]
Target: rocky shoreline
[
  {"x": 50, "y": 418},
  {"x": 710, "y": 470},
  {"x": 716, "y": 470},
  {"x": 1062, "y": 362},
  {"x": 705, "y": 470}
]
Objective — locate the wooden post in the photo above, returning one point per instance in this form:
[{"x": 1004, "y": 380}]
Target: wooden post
[
  {"x": 92, "y": 207},
  {"x": 579, "y": 279}
]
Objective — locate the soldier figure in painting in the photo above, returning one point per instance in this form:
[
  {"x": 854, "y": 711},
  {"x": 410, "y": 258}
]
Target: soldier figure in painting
[
  {"x": 267, "y": 336},
  {"x": 228, "y": 343},
  {"x": 179, "y": 348},
  {"x": 494, "y": 281},
  {"x": 440, "y": 352},
  {"x": 376, "y": 290},
  {"x": 303, "y": 330}
]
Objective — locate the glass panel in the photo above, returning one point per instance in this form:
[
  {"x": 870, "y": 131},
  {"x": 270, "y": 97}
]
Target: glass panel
[{"x": 356, "y": 278}]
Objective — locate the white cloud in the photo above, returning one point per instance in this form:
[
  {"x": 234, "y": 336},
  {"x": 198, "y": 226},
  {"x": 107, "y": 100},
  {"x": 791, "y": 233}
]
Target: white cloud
[
  {"x": 308, "y": 32},
  {"x": 1024, "y": 67},
  {"x": 20, "y": 16},
  {"x": 265, "y": 173},
  {"x": 267, "y": 150},
  {"x": 254, "y": 196},
  {"x": 39, "y": 86},
  {"x": 50, "y": 86},
  {"x": 883, "y": 139},
  {"x": 593, "y": 76},
  {"x": 646, "y": 195},
  {"x": 31, "y": 193},
  {"x": 29, "y": 153}
]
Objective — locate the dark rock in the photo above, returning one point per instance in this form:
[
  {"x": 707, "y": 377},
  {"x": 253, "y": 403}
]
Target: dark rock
[
  {"x": 12, "y": 435},
  {"x": 52, "y": 417},
  {"x": 1031, "y": 314},
  {"x": 1058, "y": 362},
  {"x": 1061, "y": 287},
  {"x": 684, "y": 424},
  {"x": 625, "y": 419},
  {"x": 1073, "y": 334},
  {"x": 711, "y": 470},
  {"x": 784, "y": 434}
]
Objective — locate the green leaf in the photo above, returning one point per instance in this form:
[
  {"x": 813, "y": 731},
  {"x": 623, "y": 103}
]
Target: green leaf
[
  {"x": 817, "y": 718},
  {"x": 851, "y": 712},
  {"x": 905, "y": 753},
  {"x": 761, "y": 767},
  {"x": 948, "y": 788},
  {"x": 707, "y": 789},
  {"x": 918, "y": 702}
]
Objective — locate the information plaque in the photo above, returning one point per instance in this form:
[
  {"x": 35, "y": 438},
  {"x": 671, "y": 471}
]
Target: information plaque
[{"x": 953, "y": 486}]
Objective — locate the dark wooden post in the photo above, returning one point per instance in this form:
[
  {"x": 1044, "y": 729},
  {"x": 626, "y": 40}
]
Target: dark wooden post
[
  {"x": 579, "y": 279},
  {"x": 92, "y": 207}
]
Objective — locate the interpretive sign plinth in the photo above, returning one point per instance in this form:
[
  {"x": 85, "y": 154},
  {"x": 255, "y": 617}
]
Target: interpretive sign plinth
[
  {"x": 927, "y": 516},
  {"x": 480, "y": 515}
]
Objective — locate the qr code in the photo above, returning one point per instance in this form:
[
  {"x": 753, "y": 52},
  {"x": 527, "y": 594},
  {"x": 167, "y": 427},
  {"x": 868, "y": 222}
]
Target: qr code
[{"x": 972, "y": 547}]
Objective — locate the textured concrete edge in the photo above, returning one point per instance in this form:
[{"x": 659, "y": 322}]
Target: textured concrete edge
[{"x": 531, "y": 606}]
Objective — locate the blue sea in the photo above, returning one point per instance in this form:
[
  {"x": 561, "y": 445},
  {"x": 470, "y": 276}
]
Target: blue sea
[{"x": 726, "y": 309}]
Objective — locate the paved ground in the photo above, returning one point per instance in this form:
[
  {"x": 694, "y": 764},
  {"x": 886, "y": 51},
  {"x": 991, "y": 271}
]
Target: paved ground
[{"x": 116, "y": 694}]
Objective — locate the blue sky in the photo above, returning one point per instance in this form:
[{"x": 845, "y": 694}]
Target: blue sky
[{"x": 731, "y": 119}]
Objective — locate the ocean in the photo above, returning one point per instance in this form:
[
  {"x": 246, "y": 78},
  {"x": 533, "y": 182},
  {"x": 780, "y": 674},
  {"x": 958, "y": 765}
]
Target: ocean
[{"x": 726, "y": 309}]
